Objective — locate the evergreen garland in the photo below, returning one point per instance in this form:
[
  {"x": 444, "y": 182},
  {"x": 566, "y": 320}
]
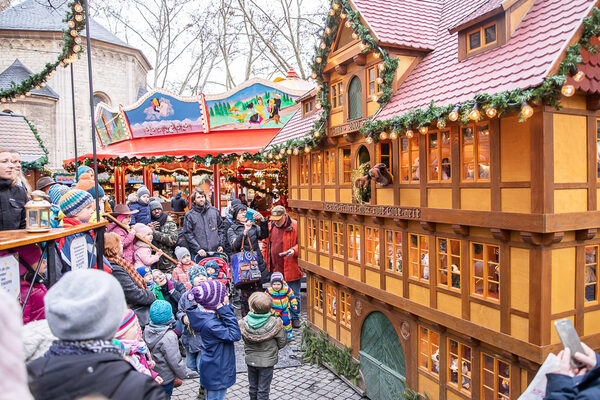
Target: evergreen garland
[{"x": 38, "y": 164}]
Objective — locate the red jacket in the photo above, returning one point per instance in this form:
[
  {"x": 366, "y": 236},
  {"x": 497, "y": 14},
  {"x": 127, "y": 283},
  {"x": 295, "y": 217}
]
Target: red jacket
[{"x": 291, "y": 271}]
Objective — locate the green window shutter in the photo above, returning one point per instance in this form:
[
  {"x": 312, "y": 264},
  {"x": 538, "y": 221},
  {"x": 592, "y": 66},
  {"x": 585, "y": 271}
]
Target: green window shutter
[{"x": 355, "y": 99}]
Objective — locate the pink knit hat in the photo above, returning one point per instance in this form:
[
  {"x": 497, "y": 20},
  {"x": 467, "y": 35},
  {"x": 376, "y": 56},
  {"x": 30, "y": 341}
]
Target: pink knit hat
[
  {"x": 142, "y": 229},
  {"x": 128, "y": 321}
]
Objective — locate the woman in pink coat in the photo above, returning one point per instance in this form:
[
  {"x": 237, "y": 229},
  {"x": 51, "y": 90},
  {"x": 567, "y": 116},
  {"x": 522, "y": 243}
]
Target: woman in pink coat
[
  {"x": 123, "y": 214},
  {"x": 143, "y": 251}
]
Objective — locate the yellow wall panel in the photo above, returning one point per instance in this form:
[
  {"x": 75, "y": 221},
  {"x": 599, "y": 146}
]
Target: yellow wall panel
[
  {"x": 330, "y": 195},
  {"x": 519, "y": 279},
  {"x": 338, "y": 266},
  {"x": 385, "y": 197},
  {"x": 303, "y": 194},
  {"x": 553, "y": 335},
  {"x": 372, "y": 278},
  {"x": 480, "y": 232},
  {"x": 337, "y": 118},
  {"x": 570, "y": 200},
  {"x": 515, "y": 160},
  {"x": 318, "y": 319},
  {"x": 324, "y": 261},
  {"x": 354, "y": 272},
  {"x": 295, "y": 193},
  {"x": 475, "y": 199},
  {"x": 570, "y": 148},
  {"x": 485, "y": 316},
  {"x": 449, "y": 304},
  {"x": 577, "y": 101},
  {"x": 302, "y": 231},
  {"x": 372, "y": 107},
  {"x": 519, "y": 327},
  {"x": 410, "y": 197},
  {"x": 450, "y": 395},
  {"x": 293, "y": 168},
  {"x": 393, "y": 285},
  {"x": 404, "y": 63},
  {"x": 345, "y": 195},
  {"x": 312, "y": 257},
  {"x": 345, "y": 336},
  {"x": 516, "y": 200},
  {"x": 332, "y": 328},
  {"x": 428, "y": 386},
  {"x": 563, "y": 280},
  {"x": 316, "y": 194},
  {"x": 439, "y": 198},
  {"x": 591, "y": 322},
  {"x": 419, "y": 294}
]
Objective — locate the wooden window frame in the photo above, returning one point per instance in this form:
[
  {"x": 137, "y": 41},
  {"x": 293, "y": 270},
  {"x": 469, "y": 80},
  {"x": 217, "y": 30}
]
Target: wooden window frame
[
  {"x": 421, "y": 266},
  {"x": 459, "y": 372},
  {"x": 377, "y": 86},
  {"x": 329, "y": 167},
  {"x": 345, "y": 309},
  {"x": 593, "y": 284},
  {"x": 324, "y": 236},
  {"x": 372, "y": 246},
  {"x": 380, "y": 155},
  {"x": 411, "y": 143},
  {"x": 439, "y": 154},
  {"x": 428, "y": 353},
  {"x": 336, "y": 90},
  {"x": 449, "y": 256},
  {"x": 305, "y": 176},
  {"x": 311, "y": 233},
  {"x": 476, "y": 153},
  {"x": 316, "y": 167},
  {"x": 485, "y": 278},
  {"x": 481, "y": 31},
  {"x": 308, "y": 107},
  {"x": 496, "y": 374},
  {"x": 343, "y": 162},
  {"x": 353, "y": 233},
  {"x": 395, "y": 247},
  {"x": 331, "y": 310},
  {"x": 338, "y": 239},
  {"x": 318, "y": 294}
]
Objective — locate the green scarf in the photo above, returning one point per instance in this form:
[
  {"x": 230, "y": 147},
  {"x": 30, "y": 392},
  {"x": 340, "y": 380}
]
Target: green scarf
[
  {"x": 257, "y": 320},
  {"x": 157, "y": 292}
]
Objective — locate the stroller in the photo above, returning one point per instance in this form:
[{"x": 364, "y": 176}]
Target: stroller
[{"x": 222, "y": 260}]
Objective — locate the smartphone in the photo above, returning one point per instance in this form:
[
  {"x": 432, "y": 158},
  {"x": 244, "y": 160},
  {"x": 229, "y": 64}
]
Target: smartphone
[
  {"x": 250, "y": 214},
  {"x": 569, "y": 338}
]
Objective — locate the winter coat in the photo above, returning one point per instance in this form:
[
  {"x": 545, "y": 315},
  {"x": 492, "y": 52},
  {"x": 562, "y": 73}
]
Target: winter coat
[
  {"x": 256, "y": 233},
  {"x": 178, "y": 203},
  {"x": 34, "y": 309},
  {"x": 165, "y": 238},
  {"x": 291, "y": 270},
  {"x": 163, "y": 344},
  {"x": 143, "y": 214},
  {"x": 227, "y": 222},
  {"x": 262, "y": 345},
  {"x": 171, "y": 292},
  {"x": 563, "y": 387},
  {"x": 138, "y": 299},
  {"x": 282, "y": 299},
  {"x": 127, "y": 238},
  {"x": 70, "y": 377},
  {"x": 64, "y": 247},
  {"x": 144, "y": 256},
  {"x": 218, "y": 332},
  {"x": 190, "y": 340},
  {"x": 203, "y": 229},
  {"x": 37, "y": 339},
  {"x": 12, "y": 206}
]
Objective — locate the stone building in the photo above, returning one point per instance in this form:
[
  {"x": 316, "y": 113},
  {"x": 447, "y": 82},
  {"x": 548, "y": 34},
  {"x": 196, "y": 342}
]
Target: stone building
[{"x": 30, "y": 37}]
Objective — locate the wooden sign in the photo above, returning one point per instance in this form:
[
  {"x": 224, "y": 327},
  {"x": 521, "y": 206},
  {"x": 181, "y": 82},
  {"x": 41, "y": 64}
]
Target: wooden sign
[
  {"x": 346, "y": 128},
  {"x": 378, "y": 211}
]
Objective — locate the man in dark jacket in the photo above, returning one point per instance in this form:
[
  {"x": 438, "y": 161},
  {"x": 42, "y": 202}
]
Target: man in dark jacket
[
  {"x": 178, "y": 203},
  {"x": 203, "y": 226},
  {"x": 12, "y": 197},
  {"x": 569, "y": 382},
  {"x": 164, "y": 235},
  {"x": 84, "y": 310}
]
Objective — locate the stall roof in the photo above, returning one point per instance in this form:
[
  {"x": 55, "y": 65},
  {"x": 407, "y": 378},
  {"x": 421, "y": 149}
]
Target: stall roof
[
  {"x": 15, "y": 134},
  {"x": 296, "y": 127}
]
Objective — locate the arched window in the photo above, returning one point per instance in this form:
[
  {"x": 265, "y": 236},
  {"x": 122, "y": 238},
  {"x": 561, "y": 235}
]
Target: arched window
[
  {"x": 355, "y": 99},
  {"x": 7, "y": 111},
  {"x": 101, "y": 97}
]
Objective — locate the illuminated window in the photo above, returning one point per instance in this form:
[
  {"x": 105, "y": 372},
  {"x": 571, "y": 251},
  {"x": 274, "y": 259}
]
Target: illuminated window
[
  {"x": 345, "y": 313},
  {"x": 475, "y": 148},
  {"x": 346, "y": 165},
  {"x": 373, "y": 74},
  {"x": 337, "y": 98},
  {"x": 316, "y": 168},
  {"x": 418, "y": 256},
  {"x": 495, "y": 378},
  {"x": 353, "y": 242},
  {"x": 385, "y": 154},
  {"x": 318, "y": 294},
  {"x": 312, "y": 233},
  {"x": 459, "y": 366},
  {"x": 409, "y": 159},
  {"x": 304, "y": 169},
  {"x": 372, "y": 247},
  {"x": 393, "y": 252},
  {"x": 429, "y": 350},
  {"x": 481, "y": 37},
  {"x": 331, "y": 301},
  {"x": 591, "y": 270},
  {"x": 485, "y": 270},
  {"x": 440, "y": 158},
  {"x": 338, "y": 239},
  {"x": 324, "y": 236},
  {"x": 330, "y": 167},
  {"x": 448, "y": 263}
]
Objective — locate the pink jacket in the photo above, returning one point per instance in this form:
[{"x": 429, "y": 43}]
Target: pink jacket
[
  {"x": 34, "y": 309},
  {"x": 127, "y": 238},
  {"x": 143, "y": 255}
]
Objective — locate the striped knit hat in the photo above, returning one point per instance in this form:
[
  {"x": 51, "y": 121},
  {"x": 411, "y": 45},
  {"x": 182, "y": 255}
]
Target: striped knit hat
[
  {"x": 208, "y": 294},
  {"x": 56, "y": 192},
  {"x": 128, "y": 322},
  {"x": 74, "y": 201}
]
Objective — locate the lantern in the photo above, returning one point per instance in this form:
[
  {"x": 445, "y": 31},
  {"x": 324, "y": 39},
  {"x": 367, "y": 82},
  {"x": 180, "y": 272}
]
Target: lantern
[{"x": 38, "y": 213}]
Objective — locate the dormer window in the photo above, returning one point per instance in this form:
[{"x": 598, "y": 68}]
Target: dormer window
[
  {"x": 308, "y": 107},
  {"x": 481, "y": 37}
]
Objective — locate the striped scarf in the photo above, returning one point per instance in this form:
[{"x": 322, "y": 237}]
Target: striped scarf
[{"x": 120, "y": 261}]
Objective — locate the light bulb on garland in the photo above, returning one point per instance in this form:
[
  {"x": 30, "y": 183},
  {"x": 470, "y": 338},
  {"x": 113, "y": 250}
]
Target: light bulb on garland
[
  {"x": 369, "y": 139},
  {"x": 354, "y": 35},
  {"x": 381, "y": 66},
  {"x": 318, "y": 105},
  {"x": 410, "y": 133},
  {"x": 314, "y": 75},
  {"x": 475, "y": 114},
  {"x": 383, "y": 135},
  {"x": 289, "y": 151},
  {"x": 71, "y": 24},
  {"x": 43, "y": 84},
  {"x": 78, "y": 8},
  {"x": 363, "y": 45},
  {"x": 348, "y": 24},
  {"x": 76, "y": 48},
  {"x": 74, "y": 32},
  {"x": 307, "y": 149},
  {"x": 323, "y": 45},
  {"x": 332, "y": 12},
  {"x": 526, "y": 110},
  {"x": 379, "y": 80},
  {"x": 78, "y": 17},
  {"x": 394, "y": 135},
  {"x": 441, "y": 124},
  {"x": 336, "y": 6},
  {"x": 491, "y": 112},
  {"x": 3, "y": 100},
  {"x": 568, "y": 90},
  {"x": 319, "y": 59},
  {"x": 453, "y": 116},
  {"x": 423, "y": 130},
  {"x": 377, "y": 54},
  {"x": 296, "y": 152},
  {"x": 328, "y": 30},
  {"x": 77, "y": 40},
  {"x": 343, "y": 15},
  {"x": 578, "y": 76},
  {"x": 317, "y": 134}
]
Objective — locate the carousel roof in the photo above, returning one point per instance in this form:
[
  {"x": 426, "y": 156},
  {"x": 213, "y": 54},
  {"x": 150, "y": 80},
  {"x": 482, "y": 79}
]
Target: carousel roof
[{"x": 15, "y": 134}]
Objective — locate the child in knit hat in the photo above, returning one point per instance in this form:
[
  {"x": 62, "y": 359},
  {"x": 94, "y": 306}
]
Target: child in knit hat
[
  {"x": 146, "y": 273},
  {"x": 142, "y": 206},
  {"x": 123, "y": 214},
  {"x": 163, "y": 343},
  {"x": 213, "y": 319},
  {"x": 144, "y": 255},
  {"x": 180, "y": 272},
  {"x": 214, "y": 272},
  {"x": 283, "y": 298},
  {"x": 129, "y": 339}
]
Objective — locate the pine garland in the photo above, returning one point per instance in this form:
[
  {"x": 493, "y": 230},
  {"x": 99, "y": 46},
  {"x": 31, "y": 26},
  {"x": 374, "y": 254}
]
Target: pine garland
[{"x": 38, "y": 164}]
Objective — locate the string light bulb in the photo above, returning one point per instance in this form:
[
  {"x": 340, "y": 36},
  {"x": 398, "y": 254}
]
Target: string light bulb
[
  {"x": 381, "y": 67},
  {"x": 336, "y": 6},
  {"x": 323, "y": 45},
  {"x": 491, "y": 112},
  {"x": 78, "y": 17},
  {"x": 379, "y": 80},
  {"x": 348, "y": 24},
  {"x": 78, "y": 8},
  {"x": 328, "y": 30},
  {"x": 369, "y": 139},
  {"x": 354, "y": 35},
  {"x": 383, "y": 135},
  {"x": 74, "y": 32},
  {"x": 314, "y": 75},
  {"x": 394, "y": 135},
  {"x": 343, "y": 15},
  {"x": 307, "y": 149},
  {"x": 43, "y": 84},
  {"x": 76, "y": 48},
  {"x": 526, "y": 110},
  {"x": 453, "y": 116},
  {"x": 568, "y": 90},
  {"x": 578, "y": 76},
  {"x": 441, "y": 124},
  {"x": 317, "y": 134},
  {"x": 410, "y": 133},
  {"x": 332, "y": 12},
  {"x": 3, "y": 100},
  {"x": 423, "y": 130},
  {"x": 319, "y": 59},
  {"x": 71, "y": 24},
  {"x": 363, "y": 46},
  {"x": 77, "y": 40},
  {"x": 289, "y": 151},
  {"x": 475, "y": 114},
  {"x": 296, "y": 152},
  {"x": 318, "y": 105},
  {"x": 377, "y": 54}
]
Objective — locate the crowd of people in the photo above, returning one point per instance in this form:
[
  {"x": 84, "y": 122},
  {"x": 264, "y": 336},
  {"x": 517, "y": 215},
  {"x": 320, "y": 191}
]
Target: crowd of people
[{"x": 156, "y": 306}]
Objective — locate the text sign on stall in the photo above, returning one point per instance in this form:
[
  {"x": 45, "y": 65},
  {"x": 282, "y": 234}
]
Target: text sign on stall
[
  {"x": 9, "y": 275},
  {"x": 79, "y": 254}
]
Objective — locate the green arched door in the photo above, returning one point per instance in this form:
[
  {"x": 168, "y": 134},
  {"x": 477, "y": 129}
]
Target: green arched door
[{"x": 381, "y": 358}]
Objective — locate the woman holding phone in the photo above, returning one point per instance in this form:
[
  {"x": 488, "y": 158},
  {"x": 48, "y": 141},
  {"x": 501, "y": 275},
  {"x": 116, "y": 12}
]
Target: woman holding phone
[{"x": 570, "y": 382}]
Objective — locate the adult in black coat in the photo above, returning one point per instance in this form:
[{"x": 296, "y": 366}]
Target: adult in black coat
[
  {"x": 178, "y": 203},
  {"x": 12, "y": 197}
]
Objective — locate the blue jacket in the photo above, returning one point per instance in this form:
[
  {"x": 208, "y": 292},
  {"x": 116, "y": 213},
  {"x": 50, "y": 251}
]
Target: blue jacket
[
  {"x": 218, "y": 332},
  {"x": 563, "y": 387},
  {"x": 142, "y": 216},
  {"x": 191, "y": 341}
]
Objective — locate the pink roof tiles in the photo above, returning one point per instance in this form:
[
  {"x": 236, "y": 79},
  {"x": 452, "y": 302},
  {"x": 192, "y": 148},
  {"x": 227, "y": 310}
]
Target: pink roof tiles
[
  {"x": 523, "y": 62},
  {"x": 485, "y": 8},
  {"x": 402, "y": 23},
  {"x": 296, "y": 127},
  {"x": 590, "y": 66}
]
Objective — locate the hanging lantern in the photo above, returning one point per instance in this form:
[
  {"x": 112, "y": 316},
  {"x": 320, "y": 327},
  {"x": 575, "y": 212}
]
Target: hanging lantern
[
  {"x": 37, "y": 213},
  {"x": 491, "y": 112}
]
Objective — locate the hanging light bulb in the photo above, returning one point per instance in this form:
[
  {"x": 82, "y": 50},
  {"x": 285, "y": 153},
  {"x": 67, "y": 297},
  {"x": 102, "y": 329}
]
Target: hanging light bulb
[
  {"x": 14, "y": 99},
  {"x": 336, "y": 6},
  {"x": 296, "y": 152},
  {"x": 78, "y": 17},
  {"x": 319, "y": 59},
  {"x": 42, "y": 84},
  {"x": 377, "y": 54},
  {"x": 318, "y": 105},
  {"x": 3, "y": 100},
  {"x": 77, "y": 40},
  {"x": 71, "y": 24},
  {"x": 363, "y": 46},
  {"x": 348, "y": 24},
  {"x": 317, "y": 134},
  {"x": 314, "y": 75},
  {"x": 354, "y": 35},
  {"x": 281, "y": 151},
  {"x": 410, "y": 133},
  {"x": 491, "y": 112},
  {"x": 441, "y": 124},
  {"x": 369, "y": 139},
  {"x": 381, "y": 67},
  {"x": 21, "y": 96},
  {"x": 74, "y": 32},
  {"x": 475, "y": 114},
  {"x": 78, "y": 8},
  {"x": 578, "y": 76},
  {"x": 27, "y": 93},
  {"x": 394, "y": 135},
  {"x": 328, "y": 30},
  {"x": 383, "y": 135},
  {"x": 289, "y": 151},
  {"x": 323, "y": 45},
  {"x": 568, "y": 90},
  {"x": 379, "y": 80},
  {"x": 76, "y": 48},
  {"x": 332, "y": 12},
  {"x": 423, "y": 130},
  {"x": 307, "y": 149},
  {"x": 453, "y": 116},
  {"x": 271, "y": 155},
  {"x": 343, "y": 15},
  {"x": 526, "y": 110},
  {"x": 37, "y": 87}
]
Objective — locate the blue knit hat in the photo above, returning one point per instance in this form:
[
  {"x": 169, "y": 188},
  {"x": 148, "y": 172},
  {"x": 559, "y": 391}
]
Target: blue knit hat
[
  {"x": 82, "y": 170},
  {"x": 56, "y": 192},
  {"x": 161, "y": 312},
  {"x": 143, "y": 271},
  {"x": 212, "y": 264},
  {"x": 194, "y": 271},
  {"x": 92, "y": 191},
  {"x": 75, "y": 200}
]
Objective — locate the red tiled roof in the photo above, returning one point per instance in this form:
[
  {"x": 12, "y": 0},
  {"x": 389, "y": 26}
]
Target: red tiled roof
[
  {"x": 523, "y": 62},
  {"x": 296, "y": 127},
  {"x": 404, "y": 23},
  {"x": 590, "y": 66},
  {"x": 485, "y": 8}
]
